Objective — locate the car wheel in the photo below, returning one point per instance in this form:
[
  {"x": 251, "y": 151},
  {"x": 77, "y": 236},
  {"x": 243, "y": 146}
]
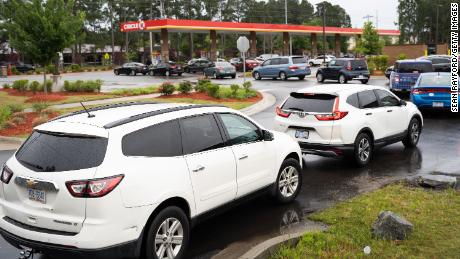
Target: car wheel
[
  {"x": 288, "y": 182},
  {"x": 132, "y": 72},
  {"x": 257, "y": 76},
  {"x": 283, "y": 76},
  {"x": 312, "y": 64},
  {"x": 116, "y": 72},
  {"x": 413, "y": 133},
  {"x": 168, "y": 235},
  {"x": 179, "y": 74},
  {"x": 187, "y": 70},
  {"x": 233, "y": 76},
  {"x": 167, "y": 73},
  {"x": 319, "y": 78},
  {"x": 301, "y": 77},
  {"x": 214, "y": 75},
  {"x": 342, "y": 79},
  {"x": 364, "y": 81},
  {"x": 363, "y": 149}
]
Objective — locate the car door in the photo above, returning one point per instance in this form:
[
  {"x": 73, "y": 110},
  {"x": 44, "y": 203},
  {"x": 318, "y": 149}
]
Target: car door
[
  {"x": 255, "y": 158},
  {"x": 396, "y": 115},
  {"x": 333, "y": 69},
  {"x": 211, "y": 164},
  {"x": 327, "y": 70},
  {"x": 272, "y": 69},
  {"x": 374, "y": 116},
  {"x": 264, "y": 68}
]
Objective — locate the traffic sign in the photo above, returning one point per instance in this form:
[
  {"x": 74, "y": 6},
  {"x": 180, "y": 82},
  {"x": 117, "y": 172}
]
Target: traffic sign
[{"x": 242, "y": 44}]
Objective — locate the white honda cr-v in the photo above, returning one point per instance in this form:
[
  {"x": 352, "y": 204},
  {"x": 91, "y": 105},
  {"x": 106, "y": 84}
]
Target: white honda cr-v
[
  {"x": 130, "y": 180},
  {"x": 335, "y": 120}
]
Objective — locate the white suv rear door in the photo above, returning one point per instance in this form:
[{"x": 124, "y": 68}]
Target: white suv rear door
[{"x": 211, "y": 164}]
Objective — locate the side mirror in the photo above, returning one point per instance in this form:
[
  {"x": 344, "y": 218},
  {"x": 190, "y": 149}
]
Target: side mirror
[
  {"x": 267, "y": 135},
  {"x": 402, "y": 103}
]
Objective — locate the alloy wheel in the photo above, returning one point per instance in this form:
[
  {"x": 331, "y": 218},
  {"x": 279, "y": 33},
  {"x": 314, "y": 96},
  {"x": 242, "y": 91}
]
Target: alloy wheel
[
  {"x": 342, "y": 79},
  {"x": 364, "y": 149},
  {"x": 319, "y": 77},
  {"x": 283, "y": 76},
  {"x": 414, "y": 132},
  {"x": 168, "y": 239},
  {"x": 288, "y": 181}
]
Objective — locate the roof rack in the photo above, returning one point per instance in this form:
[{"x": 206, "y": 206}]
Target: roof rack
[
  {"x": 154, "y": 113},
  {"x": 102, "y": 107}
]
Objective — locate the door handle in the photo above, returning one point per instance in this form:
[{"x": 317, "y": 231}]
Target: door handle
[
  {"x": 198, "y": 168},
  {"x": 369, "y": 113},
  {"x": 243, "y": 157},
  {"x": 389, "y": 110}
]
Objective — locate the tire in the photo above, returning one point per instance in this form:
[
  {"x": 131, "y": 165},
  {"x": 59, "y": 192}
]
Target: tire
[
  {"x": 413, "y": 134},
  {"x": 365, "y": 81},
  {"x": 116, "y": 72},
  {"x": 167, "y": 73},
  {"x": 214, "y": 75},
  {"x": 256, "y": 76},
  {"x": 301, "y": 77},
  {"x": 342, "y": 79},
  {"x": 320, "y": 78},
  {"x": 168, "y": 216},
  {"x": 132, "y": 73},
  {"x": 187, "y": 70},
  {"x": 283, "y": 76},
  {"x": 233, "y": 76},
  {"x": 363, "y": 149},
  {"x": 290, "y": 175},
  {"x": 179, "y": 74},
  {"x": 312, "y": 64}
]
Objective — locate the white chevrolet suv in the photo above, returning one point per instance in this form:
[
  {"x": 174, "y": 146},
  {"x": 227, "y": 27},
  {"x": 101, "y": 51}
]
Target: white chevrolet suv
[
  {"x": 335, "y": 120},
  {"x": 130, "y": 180}
]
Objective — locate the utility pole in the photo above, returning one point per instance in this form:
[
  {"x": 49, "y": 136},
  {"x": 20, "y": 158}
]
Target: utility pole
[
  {"x": 377, "y": 19},
  {"x": 324, "y": 31},
  {"x": 151, "y": 35},
  {"x": 437, "y": 25},
  {"x": 368, "y": 17},
  {"x": 111, "y": 31},
  {"x": 286, "y": 20},
  {"x": 162, "y": 9}
]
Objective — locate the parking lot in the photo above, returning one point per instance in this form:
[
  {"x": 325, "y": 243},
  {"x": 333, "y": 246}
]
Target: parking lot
[{"x": 326, "y": 180}]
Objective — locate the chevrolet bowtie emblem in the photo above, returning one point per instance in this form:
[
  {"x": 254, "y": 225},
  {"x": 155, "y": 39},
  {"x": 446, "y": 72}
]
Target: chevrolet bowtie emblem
[{"x": 31, "y": 183}]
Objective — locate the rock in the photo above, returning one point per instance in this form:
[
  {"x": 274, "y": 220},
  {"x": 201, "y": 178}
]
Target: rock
[
  {"x": 391, "y": 226},
  {"x": 438, "y": 181}
]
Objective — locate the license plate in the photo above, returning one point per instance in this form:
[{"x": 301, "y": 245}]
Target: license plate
[
  {"x": 438, "y": 104},
  {"x": 361, "y": 77},
  {"x": 301, "y": 134},
  {"x": 37, "y": 195}
]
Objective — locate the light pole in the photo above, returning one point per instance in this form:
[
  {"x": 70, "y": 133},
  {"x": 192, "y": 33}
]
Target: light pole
[
  {"x": 437, "y": 24},
  {"x": 323, "y": 12},
  {"x": 151, "y": 35},
  {"x": 286, "y": 21}
]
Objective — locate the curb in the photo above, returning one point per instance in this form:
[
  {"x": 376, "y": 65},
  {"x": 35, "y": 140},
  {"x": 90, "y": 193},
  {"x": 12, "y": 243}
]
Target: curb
[
  {"x": 268, "y": 100},
  {"x": 10, "y": 143}
]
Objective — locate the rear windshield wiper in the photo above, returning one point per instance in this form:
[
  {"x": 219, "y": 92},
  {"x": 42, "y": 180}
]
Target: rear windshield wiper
[{"x": 295, "y": 109}]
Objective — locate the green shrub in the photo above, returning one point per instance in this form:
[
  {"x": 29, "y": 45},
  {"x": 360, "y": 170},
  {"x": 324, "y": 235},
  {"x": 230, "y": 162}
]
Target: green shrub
[
  {"x": 202, "y": 85},
  {"x": 16, "y": 107},
  {"x": 5, "y": 113},
  {"x": 212, "y": 90},
  {"x": 234, "y": 88},
  {"x": 49, "y": 85},
  {"x": 247, "y": 86},
  {"x": 34, "y": 86},
  {"x": 167, "y": 88},
  {"x": 135, "y": 91},
  {"x": 185, "y": 87},
  {"x": 15, "y": 71},
  {"x": 52, "y": 69},
  {"x": 83, "y": 86},
  {"x": 401, "y": 56},
  {"x": 21, "y": 85},
  {"x": 40, "y": 107},
  {"x": 371, "y": 66},
  {"x": 75, "y": 68},
  {"x": 6, "y": 86}
]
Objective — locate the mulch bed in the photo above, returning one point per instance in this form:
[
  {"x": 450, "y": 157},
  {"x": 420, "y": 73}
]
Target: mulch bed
[
  {"x": 25, "y": 127},
  {"x": 204, "y": 96}
]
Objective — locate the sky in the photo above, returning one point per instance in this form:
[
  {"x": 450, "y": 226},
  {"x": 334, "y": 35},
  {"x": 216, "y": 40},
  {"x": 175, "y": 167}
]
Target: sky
[{"x": 357, "y": 9}]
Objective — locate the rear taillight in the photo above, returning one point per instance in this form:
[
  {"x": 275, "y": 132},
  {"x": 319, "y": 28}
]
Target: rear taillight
[
  {"x": 281, "y": 113},
  {"x": 417, "y": 91},
  {"x": 396, "y": 78},
  {"x": 7, "y": 174},
  {"x": 173, "y": 67},
  {"x": 94, "y": 188},
  {"x": 335, "y": 115},
  {"x": 293, "y": 68}
]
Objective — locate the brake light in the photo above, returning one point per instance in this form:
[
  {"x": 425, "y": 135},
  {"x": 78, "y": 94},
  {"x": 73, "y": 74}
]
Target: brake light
[
  {"x": 293, "y": 67},
  {"x": 173, "y": 67},
  {"x": 94, "y": 188},
  {"x": 335, "y": 115},
  {"x": 396, "y": 78},
  {"x": 281, "y": 113},
  {"x": 7, "y": 174},
  {"x": 349, "y": 66}
]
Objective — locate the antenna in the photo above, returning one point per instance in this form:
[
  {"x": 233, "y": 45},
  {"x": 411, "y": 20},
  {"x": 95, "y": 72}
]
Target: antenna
[{"x": 86, "y": 110}]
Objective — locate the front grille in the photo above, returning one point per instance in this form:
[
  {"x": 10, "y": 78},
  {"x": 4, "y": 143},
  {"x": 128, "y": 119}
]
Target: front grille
[{"x": 37, "y": 229}]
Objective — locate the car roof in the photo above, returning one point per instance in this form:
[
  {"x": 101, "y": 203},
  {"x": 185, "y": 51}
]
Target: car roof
[
  {"x": 435, "y": 74},
  {"x": 413, "y": 61},
  {"x": 338, "y": 89}
]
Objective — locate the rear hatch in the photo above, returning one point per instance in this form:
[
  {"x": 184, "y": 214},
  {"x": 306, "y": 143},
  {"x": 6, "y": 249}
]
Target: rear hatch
[
  {"x": 358, "y": 65},
  {"x": 300, "y": 63},
  {"x": 36, "y": 197},
  {"x": 434, "y": 87},
  {"x": 406, "y": 74},
  {"x": 304, "y": 113}
]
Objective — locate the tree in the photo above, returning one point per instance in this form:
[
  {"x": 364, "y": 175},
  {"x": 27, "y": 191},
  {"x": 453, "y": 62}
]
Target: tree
[
  {"x": 369, "y": 44},
  {"x": 42, "y": 29}
]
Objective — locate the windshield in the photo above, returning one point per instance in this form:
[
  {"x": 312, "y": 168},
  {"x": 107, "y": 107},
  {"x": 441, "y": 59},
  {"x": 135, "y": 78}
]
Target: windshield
[
  {"x": 435, "y": 80},
  {"x": 50, "y": 152},
  {"x": 310, "y": 102}
]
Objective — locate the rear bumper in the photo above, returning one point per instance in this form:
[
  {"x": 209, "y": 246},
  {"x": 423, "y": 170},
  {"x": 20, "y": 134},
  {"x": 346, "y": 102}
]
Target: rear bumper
[
  {"x": 325, "y": 149},
  {"x": 298, "y": 72},
  {"x": 354, "y": 75},
  {"x": 126, "y": 250}
]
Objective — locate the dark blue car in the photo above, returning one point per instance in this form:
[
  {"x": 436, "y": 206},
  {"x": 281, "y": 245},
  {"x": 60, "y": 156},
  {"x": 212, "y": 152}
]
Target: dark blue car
[
  {"x": 406, "y": 73},
  {"x": 432, "y": 91}
]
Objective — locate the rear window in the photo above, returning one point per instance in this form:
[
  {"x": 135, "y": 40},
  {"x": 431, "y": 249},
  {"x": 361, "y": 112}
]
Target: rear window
[
  {"x": 310, "y": 103},
  {"x": 435, "y": 80},
  {"x": 358, "y": 63},
  {"x": 413, "y": 67},
  {"x": 51, "y": 152},
  {"x": 299, "y": 60}
]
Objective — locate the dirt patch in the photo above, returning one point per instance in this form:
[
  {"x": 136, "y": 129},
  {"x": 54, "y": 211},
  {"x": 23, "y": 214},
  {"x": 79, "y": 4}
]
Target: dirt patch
[
  {"x": 204, "y": 96},
  {"x": 26, "y": 126},
  {"x": 46, "y": 98}
]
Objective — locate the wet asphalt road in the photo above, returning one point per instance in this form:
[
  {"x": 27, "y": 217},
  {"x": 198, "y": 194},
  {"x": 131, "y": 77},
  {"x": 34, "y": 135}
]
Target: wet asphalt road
[{"x": 325, "y": 182}]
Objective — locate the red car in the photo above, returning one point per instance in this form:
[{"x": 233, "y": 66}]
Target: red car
[{"x": 250, "y": 63}]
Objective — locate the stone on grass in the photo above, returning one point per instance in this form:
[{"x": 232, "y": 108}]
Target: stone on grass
[
  {"x": 390, "y": 226},
  {"x": 439, "y": 182}
]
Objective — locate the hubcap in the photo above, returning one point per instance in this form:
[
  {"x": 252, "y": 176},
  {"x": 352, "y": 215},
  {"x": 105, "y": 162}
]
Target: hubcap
[
  {"x": 283, "y": 76},
  {"x": 342, "y": 79},
  {"x": 415, "y": 132},
  {"x": 364, "y": 149},
  {"x": 289, "y": 181},
  {"x": 319, "y": 77},
  {"x": 168, "y": 239}
]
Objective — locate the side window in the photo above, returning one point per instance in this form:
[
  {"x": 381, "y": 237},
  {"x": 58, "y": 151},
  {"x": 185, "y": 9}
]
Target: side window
[
  {"x": 239, "y": 129},
  {"x": 275, "y": 61},
  {"x": 333, "y": 63},
  {"x": 386, "y": 99},
  {"x": 353, "y": 100},
  {"x": 367, "y": 99},
  {"x": 283, "y": 61},
  {"x": 267, "y": 63},
  {"x": 160, "y": 140},
  {"x": 200, "y": 133}
]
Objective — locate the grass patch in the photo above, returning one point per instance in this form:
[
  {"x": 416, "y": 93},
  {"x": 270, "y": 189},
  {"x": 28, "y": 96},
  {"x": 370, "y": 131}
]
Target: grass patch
[
  {"x": 135, "y": 91},
  {"x": 435, "y": 216},
  {"x": 5, "y": 98}
]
